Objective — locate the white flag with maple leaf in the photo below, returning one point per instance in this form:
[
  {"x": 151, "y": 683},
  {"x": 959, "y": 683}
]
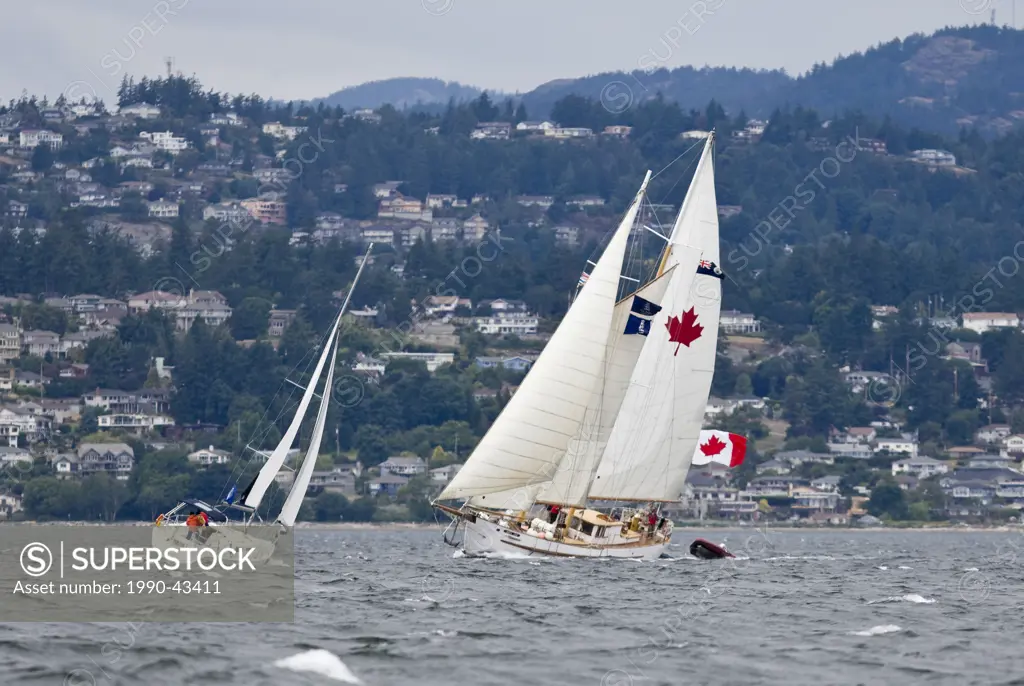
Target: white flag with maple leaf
[{"x": 721, "y": 447}]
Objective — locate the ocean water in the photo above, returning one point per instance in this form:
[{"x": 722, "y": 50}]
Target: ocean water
[{"x": 397, "y": 607}]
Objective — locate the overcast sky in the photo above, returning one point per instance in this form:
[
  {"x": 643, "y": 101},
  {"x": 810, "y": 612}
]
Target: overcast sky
[{"x": 308, "y": 48}]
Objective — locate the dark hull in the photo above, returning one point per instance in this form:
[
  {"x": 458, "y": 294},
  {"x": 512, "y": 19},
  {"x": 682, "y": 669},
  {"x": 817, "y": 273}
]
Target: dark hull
[{"x": 706, "y": 550}]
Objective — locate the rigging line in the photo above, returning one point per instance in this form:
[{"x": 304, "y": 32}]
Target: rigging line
[{"x": 678, "y": 157}]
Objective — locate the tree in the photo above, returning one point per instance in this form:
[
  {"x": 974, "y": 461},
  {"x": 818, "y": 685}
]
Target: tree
[
  {"x": 330, "y": 507},
  {"x": 371, "y": 445},
  {"x": 42, "y": 157},
  {"x": 250, "y": 319},
  {"x": 887, "y": 498}
]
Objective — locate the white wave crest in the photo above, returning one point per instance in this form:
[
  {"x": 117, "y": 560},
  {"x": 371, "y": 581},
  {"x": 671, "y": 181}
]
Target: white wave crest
[
  {"x": 909, "y": 598},
  {"x": 878, "y": 630},
  {"x": 322, "y": 662}
]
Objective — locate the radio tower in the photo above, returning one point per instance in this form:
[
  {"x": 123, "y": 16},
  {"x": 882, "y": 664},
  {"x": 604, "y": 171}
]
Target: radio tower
[
  {"x": 993, "y": 16},
  {"x": 169, "y": 61}
]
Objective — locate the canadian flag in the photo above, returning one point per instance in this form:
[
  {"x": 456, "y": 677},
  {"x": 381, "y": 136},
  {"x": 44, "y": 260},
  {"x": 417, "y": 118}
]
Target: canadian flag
[{"x": 721, "y": 447}]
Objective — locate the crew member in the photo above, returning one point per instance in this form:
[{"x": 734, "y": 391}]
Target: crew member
[{"x": 192, "y": 522}]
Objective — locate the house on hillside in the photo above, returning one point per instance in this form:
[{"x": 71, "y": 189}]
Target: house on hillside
[{"x": 403, "y": 466}]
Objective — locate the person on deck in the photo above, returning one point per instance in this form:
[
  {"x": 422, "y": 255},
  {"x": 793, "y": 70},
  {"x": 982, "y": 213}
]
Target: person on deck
[
  {"x": 652, "y": 520},
  {"x": 192, "y": 522},
  {"x": 555, "y": 509}
]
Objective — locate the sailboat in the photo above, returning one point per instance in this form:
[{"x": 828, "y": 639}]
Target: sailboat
[
  {"x": 171, "y": 527},
  {"x": 601, "y": 431}
]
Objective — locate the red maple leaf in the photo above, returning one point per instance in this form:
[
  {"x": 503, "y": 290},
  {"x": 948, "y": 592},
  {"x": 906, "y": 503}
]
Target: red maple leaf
[
  {"x": 684, "y": 331},
  {"x": 712, "y": 447}
]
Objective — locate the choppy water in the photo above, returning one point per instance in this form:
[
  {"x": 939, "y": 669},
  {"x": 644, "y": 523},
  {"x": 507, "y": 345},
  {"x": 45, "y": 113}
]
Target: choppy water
[{"x": 797, "y": 607}]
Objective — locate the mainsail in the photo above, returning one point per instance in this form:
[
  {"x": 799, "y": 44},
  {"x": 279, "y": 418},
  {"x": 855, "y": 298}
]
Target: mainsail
[
  {"x": 530, "y": 437},
  {"x": 649, "y": 451}
]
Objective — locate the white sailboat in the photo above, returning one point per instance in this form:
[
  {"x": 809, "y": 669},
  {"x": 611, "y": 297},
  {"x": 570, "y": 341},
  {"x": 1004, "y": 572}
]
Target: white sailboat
[
  {"x": 171, "y": 527},
  {"x": 604, "y": 414}
]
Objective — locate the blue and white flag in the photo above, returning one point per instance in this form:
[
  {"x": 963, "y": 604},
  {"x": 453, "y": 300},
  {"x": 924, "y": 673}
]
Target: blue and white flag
[
  {"x": 230, "y": 497},
  {"x": 637, "y": 325},
  {"x": 644, "y": 307}
]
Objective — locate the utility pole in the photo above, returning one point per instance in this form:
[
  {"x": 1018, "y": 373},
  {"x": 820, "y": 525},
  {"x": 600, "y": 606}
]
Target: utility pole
[{"x": 169, "y": 61}]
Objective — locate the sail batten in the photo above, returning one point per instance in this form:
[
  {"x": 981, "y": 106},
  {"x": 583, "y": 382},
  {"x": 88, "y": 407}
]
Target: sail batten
[{"x": 531, "y": 435}]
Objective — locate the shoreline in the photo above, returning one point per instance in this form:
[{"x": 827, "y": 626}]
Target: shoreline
[{"x": 679, "y": 528}]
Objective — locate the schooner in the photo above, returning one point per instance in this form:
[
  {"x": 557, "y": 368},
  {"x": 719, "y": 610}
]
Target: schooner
[{"x": 610, "y": 412}]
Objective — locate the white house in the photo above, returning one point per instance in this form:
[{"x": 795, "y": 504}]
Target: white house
[
  {"x": 163, "y": 210},
  {"x": 208, "y": 456},
  {"x": 519, "y": 324},
  {"x": 992, "y": 433},
  {"x": 141, "y": 111},
  {"x": 165, "y": 140},
  {"x": 922, "y": 467},
  {"x": 735, "y": 322},
  {"x": 134, "y": 422},
  {"x": 535, "y": 126},
  {"x": 938, "y": 158},
  {"x": 1013, "y": 446},
  {"x": 434, "y": 305},
  {"x": 227, "y": 213},
  {"x": 31, "y": 138},
  {"x": 905, "y": 445},
  {"x": 985, "y": 321},
  {"x": 403, "y": 466}
]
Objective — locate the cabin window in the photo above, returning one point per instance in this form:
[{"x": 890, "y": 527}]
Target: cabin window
[
  {"x": 587, "y": 528},
  {"x": 599, "y": 532}
]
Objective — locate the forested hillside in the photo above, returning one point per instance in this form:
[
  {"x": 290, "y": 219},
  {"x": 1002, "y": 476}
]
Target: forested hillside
[
  {"x": 957, "y": 77},
  {"x": 821, "y": 226}
]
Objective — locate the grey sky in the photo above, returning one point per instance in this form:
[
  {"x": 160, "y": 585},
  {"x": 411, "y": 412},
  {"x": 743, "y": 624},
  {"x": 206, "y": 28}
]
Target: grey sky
[{"x": 308, "y": 48}]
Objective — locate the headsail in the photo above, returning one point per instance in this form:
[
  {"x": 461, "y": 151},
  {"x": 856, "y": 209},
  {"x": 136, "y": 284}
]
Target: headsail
[
  {"x": 531, "y": 435},
  {"x": 648, "y": 454},
  {"x": 571, "y": 483}
]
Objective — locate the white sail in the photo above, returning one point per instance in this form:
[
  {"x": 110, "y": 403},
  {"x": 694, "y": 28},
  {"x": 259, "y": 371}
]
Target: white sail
[
  {"x": 571, "y": 483},
  {"x": 648, "y": 454},
  {"x": 293, "y": 502},
  {"x": 520, "y": 498},
  {"x": 277, "y": 458},
  {"x": 531, "y": 435}
]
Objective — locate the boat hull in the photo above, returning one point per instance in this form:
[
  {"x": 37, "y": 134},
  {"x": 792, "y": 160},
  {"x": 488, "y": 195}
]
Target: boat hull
[
  {"x": 176, "y": 536},
  {"x": 484, "y": 537}
]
